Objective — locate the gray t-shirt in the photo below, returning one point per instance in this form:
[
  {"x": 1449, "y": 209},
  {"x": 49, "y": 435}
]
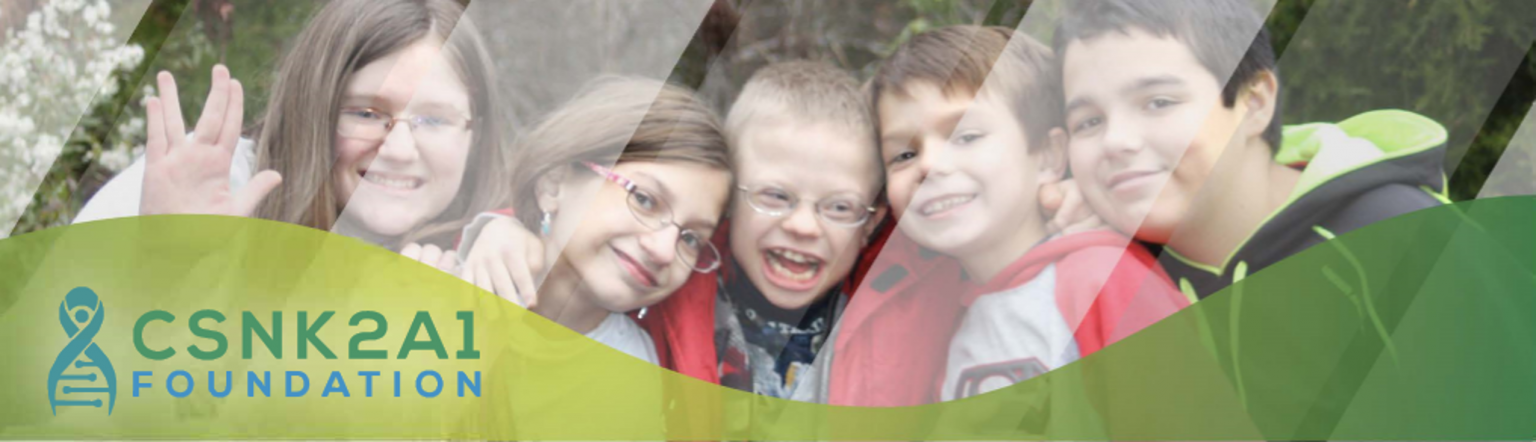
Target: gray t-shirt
[
  {"x": 623, "y": 334},
  {"x": 1008, "y": 337}
]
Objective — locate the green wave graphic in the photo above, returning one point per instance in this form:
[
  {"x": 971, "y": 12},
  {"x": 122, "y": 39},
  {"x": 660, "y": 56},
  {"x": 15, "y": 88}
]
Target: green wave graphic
[{"x": 1419, "y": 327}]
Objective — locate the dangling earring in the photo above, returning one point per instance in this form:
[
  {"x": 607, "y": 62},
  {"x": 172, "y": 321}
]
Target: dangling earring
[
  {"x": 642, "y": 313},
  {"x": 544, "y": 223}
]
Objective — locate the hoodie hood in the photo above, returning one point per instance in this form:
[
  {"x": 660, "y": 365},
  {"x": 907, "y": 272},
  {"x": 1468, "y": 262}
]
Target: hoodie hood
[
  {"x": 1365, "y": 140},
  {"x": 1345, "y": 160},
  {"x": 1369, "y": 167}
]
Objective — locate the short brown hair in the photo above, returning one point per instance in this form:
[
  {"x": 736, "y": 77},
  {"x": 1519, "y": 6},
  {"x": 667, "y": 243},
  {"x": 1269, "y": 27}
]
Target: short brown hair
[
  {"x": 616, "y": 119},
  {"x": 803, "y": 91},
  {"x": 965, "y": 59},
  {"x": 1215, "y": 31}
]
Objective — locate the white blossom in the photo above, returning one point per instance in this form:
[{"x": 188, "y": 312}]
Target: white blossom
[{"x": 52, "y": 69}]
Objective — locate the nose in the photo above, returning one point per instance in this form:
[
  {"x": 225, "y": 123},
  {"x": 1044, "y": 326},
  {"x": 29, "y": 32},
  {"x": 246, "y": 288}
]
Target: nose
[
  {"x": 660, "y": 246},
  {"x": 801, "y": 222},
  {"x": 935, "y": 158},
  {"x": 399, "y": 144},
  {"x": 1123, "y": 138}
]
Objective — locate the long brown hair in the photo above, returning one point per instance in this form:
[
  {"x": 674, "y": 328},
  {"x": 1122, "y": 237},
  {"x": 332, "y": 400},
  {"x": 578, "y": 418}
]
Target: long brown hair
[
  {"x": 615, "y": 119},
  {"x": 298, "y": 133}
]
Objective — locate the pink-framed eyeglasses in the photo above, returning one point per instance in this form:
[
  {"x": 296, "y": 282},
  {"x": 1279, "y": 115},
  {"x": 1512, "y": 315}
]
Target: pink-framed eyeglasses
[{"x": 654, "y": 213}]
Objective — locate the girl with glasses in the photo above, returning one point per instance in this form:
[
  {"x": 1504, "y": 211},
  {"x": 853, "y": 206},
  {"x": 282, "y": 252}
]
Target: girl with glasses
[
  {"x": 382, "y": 125},
  {"x": 625, "y": 185}
]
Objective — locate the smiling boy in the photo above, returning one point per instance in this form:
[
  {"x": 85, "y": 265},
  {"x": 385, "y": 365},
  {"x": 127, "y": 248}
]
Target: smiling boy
[
  {"x": 807, "y": 201},
  {"x": 969, "y": 124},
  {"x": 1173, "y": 112}
]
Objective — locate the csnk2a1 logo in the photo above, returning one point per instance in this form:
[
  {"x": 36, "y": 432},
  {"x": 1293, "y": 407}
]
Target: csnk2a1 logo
[
  {"x": 82, "y": 376},
  {"x": 81, "y": 373}
]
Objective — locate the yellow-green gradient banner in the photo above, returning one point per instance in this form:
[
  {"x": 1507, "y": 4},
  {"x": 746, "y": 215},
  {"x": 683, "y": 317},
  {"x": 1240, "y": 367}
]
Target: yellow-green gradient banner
[{"x": 191, "y": 327}]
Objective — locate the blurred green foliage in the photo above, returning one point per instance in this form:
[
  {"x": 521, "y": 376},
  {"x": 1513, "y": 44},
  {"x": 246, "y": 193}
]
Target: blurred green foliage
[{"x": 1467, "y": 64}]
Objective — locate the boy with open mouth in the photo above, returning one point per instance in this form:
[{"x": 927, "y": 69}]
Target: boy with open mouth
[{"x": 806, "y": 204}]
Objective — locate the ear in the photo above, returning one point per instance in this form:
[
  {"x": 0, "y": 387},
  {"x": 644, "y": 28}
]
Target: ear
[
  {"x": 1052, "y": 158},
  {"x": 1260, "y": 97},
  {"x": 547, "y": 189}
]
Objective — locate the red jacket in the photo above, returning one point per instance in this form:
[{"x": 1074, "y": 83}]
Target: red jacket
[
  {"x": 683, "y": 329},
  {"x": 1107, "y": 286},
  {"x": 894, "y": 342},
  {"x": 683, "y": 325},
  {"x": 894, "y": 335}
]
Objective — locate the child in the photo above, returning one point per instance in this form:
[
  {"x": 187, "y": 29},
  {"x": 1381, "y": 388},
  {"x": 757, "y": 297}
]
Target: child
[
  {"x": 327, "y": 137},
  {"x": 643, "y": 224},
  {"x": 806, "y": 204},
  {"x": 1151, "y": 112},
  {"x": 969, "y": 124}
]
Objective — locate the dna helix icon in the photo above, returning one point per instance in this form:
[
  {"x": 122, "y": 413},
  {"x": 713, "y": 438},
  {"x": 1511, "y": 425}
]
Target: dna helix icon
[{"x": 81, "y": 315}]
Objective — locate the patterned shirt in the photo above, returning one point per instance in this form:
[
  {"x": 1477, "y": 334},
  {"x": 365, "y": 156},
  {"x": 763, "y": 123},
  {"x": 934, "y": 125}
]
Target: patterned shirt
[{"x": 763, "y": 347}]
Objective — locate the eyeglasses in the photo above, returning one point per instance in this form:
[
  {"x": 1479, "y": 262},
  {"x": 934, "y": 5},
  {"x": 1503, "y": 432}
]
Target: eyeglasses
[
  {"x": 370, "y": 124},
  {"x": 654, "y": 213},
  {"x": 846, "y": 210}
]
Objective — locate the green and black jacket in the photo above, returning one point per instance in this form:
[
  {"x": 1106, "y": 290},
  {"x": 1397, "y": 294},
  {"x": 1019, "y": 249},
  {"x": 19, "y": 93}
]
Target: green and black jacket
[{"x": 1365, "y": 169}]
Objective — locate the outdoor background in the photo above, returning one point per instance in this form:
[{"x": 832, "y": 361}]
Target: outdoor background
[{"x": 1468, "y": 65}]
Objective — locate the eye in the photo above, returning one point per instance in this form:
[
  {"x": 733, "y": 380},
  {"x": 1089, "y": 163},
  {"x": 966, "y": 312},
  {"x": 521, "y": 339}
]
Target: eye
[
  {"x": 1087, "y": 123},
  {"x": 903, "y": 156},
  {"x": 644, "y": 200},
  {"x": 839, "y": 207},
  {"x": 966, "y": 138},
  {"x": 690, "y": 240},
  {"x": 366, "y": 114},
  {"x": 1160, "y": 103},
  {"x": 774, "y": 198},
  {"x": 776, "y": 194},
  {"x": 845, "y": 209}
]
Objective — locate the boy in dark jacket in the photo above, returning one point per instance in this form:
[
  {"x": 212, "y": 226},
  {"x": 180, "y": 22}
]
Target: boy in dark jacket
[
  {"x": 1172, "y": 107},
  {"x": 1173, "y": 113}
]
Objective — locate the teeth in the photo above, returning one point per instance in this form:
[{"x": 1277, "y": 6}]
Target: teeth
[
  {"x": 398, "y": 183},
  {"x": 946, "y": 204},
  {"x": 796, "y": 257},
  {"x": 796, "y": 276}
]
